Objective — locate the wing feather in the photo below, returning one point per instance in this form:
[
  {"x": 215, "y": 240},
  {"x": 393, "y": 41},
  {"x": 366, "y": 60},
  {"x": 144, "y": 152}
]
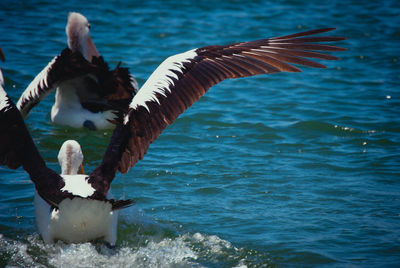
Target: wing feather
[
  {"x": 111, "y": 89},
  {"x": 182, "y": 79},
  {"x": 18, "y": 149}
]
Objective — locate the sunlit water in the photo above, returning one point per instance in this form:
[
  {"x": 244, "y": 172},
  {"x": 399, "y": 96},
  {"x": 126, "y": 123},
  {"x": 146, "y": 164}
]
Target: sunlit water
[{"x": 276, "y": 170}]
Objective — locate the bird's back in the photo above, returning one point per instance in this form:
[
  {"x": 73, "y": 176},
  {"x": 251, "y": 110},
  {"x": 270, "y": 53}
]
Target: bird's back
[{"x": 80, "y": 220}]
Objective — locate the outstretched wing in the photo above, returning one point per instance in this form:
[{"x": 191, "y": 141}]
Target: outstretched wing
[
  {"x": 65, "y": 66},
  {"x": 17, "y": 149},
  {"x": 182, "y": 79},
  {"x": 110, "y": 87}
]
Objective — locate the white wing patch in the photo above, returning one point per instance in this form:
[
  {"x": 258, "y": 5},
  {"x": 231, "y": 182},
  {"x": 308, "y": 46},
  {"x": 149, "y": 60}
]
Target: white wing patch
[
  {"x": 160, "y": 79},
  {"x": 134, "y": 83},
  {"x": 40, "y": 81},
  {"x": 1, "y": 78},
  {"x": 77, "y": 185},
  {"x": 4, "y": 101}
]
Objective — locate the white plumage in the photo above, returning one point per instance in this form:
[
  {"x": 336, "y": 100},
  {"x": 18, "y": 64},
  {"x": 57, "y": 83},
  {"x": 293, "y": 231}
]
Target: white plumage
[
  {"x": 3, "y": 100},
  {"x": 77, "y": 219},
  {"x": 70, "y": 157},
  {"x": 160, "y": 80}
]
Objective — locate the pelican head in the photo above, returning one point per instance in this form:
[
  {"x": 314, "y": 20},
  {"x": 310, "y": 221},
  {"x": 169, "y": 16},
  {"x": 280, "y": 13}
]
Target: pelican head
[
  {"x": 70, "y": 158},
  {"x": 78, "y": 34}
]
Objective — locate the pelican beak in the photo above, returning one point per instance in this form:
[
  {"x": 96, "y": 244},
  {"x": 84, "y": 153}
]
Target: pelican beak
[
  {"x": 82, "y": 170},
  {"x": 91, "y": 50},
  {"x": 2, "y": 55}
]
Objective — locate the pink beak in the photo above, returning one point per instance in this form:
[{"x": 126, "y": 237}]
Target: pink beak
[{"x": 91, "y": 50}]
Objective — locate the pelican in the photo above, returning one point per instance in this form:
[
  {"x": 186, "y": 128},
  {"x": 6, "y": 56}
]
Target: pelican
[
  {"x": 172, "y": 88},
  {"x": 87, "y": 93},
  {"x": 70, "y": 207},
  {"x": 77, "y": 221}
]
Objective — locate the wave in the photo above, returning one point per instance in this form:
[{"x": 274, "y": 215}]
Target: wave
[{"x": 143, "y": 243}]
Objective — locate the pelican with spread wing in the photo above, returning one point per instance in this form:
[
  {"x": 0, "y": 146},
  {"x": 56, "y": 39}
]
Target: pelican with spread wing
[
  {"x": 172, "y": 88},
  {"x": 88, "y": 94}
]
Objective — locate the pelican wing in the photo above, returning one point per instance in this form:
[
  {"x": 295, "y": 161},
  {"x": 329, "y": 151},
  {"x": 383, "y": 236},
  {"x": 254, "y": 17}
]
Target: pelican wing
[
  {"x": 18, "y": 149},
  {"x": 102, "y": 86},
  {"x": 182, "y": 79}
]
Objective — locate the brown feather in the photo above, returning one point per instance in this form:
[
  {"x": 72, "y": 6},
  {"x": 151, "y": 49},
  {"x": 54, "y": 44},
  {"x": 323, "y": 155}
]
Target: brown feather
[{"x": 211, "y": 65}]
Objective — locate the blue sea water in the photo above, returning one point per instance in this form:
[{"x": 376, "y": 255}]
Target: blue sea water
[{"x": 289, "y": 169}]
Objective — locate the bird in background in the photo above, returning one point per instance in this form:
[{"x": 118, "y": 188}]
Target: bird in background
[{"x": 88, "y": 94}]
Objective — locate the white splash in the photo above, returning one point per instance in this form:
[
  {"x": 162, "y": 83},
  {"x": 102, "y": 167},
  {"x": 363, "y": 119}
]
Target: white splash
[
  {"x": 166, "y": 253},
  {"x": 187, "y": 250}
]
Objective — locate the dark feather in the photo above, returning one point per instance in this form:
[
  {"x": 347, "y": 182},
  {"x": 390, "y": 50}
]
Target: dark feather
[
  {"x": 97, "y": 83},
  {"x": 212, "y": 65},
  {"x": 18, "y": 149}
]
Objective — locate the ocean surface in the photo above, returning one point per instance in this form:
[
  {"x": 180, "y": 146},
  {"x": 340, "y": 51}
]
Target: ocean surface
[{"x": 281, "y": 170}]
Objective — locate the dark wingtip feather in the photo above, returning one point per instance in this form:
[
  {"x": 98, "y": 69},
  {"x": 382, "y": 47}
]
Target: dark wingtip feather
[
  {"x": 311, "y": 32},
  {"x": 113, "y": 121},
  {"x": 2, "y": 55},
  {"x": 201, "y": 69},
  {"x": 120, "y": 204}
]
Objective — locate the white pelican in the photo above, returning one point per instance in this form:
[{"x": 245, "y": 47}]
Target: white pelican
[
  {"x": 77, "y": 220},
  {"x": 87, "y": 92},
  {"x": 174, "y": 86},
  {"x": 67, "y": 206},
  {"x": 71, "y": 207}
]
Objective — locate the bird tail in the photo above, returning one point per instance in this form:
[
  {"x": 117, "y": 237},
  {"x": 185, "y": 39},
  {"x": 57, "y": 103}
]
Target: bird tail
[{"x": 120, "y": 204}]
